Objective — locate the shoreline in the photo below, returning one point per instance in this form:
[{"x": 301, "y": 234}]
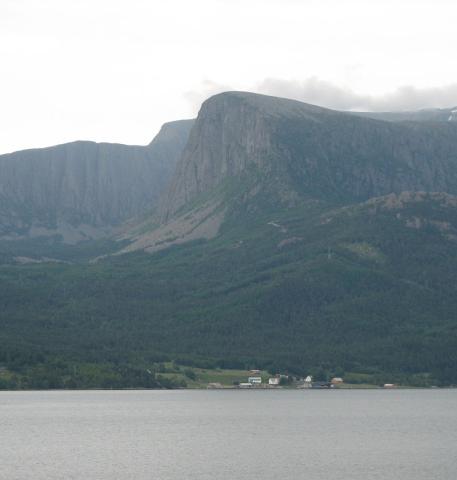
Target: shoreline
[{"x": 223, "y": 389}]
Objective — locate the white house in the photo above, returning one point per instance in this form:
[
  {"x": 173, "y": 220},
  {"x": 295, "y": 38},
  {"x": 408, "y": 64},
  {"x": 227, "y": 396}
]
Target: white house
[
  {"x": 255, "y": 380},
  {"x": 274, "y": 381}
]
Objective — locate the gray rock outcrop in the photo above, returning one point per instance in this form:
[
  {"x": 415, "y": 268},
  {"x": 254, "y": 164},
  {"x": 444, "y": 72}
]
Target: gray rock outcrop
[
  {"x": 301, "y": 151},
  {"x": 82, "y": 189}
]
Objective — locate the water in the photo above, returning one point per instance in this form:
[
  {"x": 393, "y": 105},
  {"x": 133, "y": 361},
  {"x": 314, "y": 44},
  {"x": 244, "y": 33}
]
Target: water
[{"x": 180, "y": 435}]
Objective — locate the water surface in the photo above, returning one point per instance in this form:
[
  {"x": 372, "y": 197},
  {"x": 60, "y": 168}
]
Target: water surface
[{"x": 222, "y": 435}]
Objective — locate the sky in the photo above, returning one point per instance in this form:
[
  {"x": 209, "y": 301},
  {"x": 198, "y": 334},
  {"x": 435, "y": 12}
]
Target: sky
[{"x": 116, "y": 70}]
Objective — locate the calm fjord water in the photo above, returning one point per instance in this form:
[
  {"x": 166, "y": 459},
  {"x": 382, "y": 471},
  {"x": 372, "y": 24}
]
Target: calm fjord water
[{"x": 177, "y": 435}]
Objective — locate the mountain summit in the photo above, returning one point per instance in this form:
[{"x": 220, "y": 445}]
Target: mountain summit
[
  {"x": 302, "y": 239},
  {"x": 260, "y": 153}
]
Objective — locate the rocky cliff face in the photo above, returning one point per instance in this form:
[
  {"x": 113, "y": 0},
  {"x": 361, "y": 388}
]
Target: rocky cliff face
[
  {"x": 80, "y": 190},
  {"x": 302, "y": 151},
  {"x": 234, "y": 131},
  {"x": 254, "y": 153}
]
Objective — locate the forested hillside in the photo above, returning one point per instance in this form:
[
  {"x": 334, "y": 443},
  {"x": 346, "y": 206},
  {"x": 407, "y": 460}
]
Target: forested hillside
[
  {"x": 291, "y": 238},
  {"x": 369, "y": 288}
]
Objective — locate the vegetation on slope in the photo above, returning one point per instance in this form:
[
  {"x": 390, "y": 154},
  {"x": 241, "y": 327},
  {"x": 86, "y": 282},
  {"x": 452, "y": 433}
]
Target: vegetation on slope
[{"x": 368, "y": 289}]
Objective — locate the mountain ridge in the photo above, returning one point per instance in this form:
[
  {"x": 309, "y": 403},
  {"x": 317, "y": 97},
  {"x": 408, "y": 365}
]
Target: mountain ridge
[
  {"x": 257, "y": 151},
  {"x": 293, "y": 238},
  {"x": 81, "y": 190}
]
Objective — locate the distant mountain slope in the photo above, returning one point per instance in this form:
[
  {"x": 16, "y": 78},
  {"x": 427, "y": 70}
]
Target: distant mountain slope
[
  {"x": 301, "y": 239},
  {"x": 368, "y": 288},
  {"x": 425, "y": 115},
  {"x": 81, "y": 190},
  {"x": 312, "y": 151},
  {"x": 252, "y": 153}
]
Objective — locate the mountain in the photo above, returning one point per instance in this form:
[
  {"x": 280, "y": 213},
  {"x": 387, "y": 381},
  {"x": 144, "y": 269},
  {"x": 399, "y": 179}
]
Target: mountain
[
  {"x": 367, "y": 289},
  {"x": 424, "y": 115},
  {"x": 259, "y": 153},
  {"x": 81, "y": 190},
  {"x": 291, "y": 238}
]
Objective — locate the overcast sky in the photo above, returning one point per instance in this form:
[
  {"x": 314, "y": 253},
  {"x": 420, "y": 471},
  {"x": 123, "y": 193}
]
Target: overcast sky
[{"x": 115, "y": 70}]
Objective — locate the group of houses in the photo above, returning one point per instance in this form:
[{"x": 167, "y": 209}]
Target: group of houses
[{"x": 255, "y": 380}]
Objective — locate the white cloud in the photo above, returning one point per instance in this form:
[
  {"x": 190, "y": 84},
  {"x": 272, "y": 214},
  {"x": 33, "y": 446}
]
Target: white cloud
[
  {"x": 327, "y": 94},
  {"x": 115, "y": 70}
]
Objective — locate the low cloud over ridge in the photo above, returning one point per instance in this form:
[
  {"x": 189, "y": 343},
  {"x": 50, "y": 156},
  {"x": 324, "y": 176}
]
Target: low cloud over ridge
[{"x": 320, "y": 92}]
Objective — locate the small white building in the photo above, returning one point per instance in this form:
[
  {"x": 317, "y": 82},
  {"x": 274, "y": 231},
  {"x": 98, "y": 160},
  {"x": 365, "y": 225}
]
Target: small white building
[
  {"x": 255, "y": 380},
  {"x": 274, "y": 381},
  {"x": 245, "y": 385},
  {"x": 336, "y": 380},
  {"x": 308, "y": 382}
]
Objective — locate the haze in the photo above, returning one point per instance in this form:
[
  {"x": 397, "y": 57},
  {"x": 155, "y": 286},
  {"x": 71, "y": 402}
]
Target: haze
[{"x": 113, "y": 70}]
